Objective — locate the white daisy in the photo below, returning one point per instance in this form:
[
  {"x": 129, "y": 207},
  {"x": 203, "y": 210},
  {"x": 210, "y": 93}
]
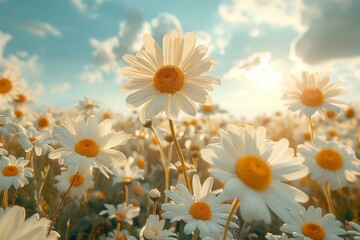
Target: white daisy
[
  {"x": 24, "y": 97},
  {"x": 90, "y": 142},
  {"x": 13, "y": 225},
  {"x": 127, "y": 173},
  {"x": 269, "y": 236},
  {"x": 87, "y": 105},
  {"x": 37, "y": 140},
  {"x": 44, "y": 121},
  {"x": 122, "y": 212},
  {"x": 313, "y": 93},
  {"x": 310, "y": 224},
  {"x": 202, "y": 211},
  {"x": 170, "y": 80},
  {"x": 13, "y": 172},
  {"x": 355, "y": 232},
  {"x": 10, "y": 86},
  {"x": 154, "y": 230},
  {"x": 122, "y": 235},
  {"x": 330, "y": 162},
  {"x": 254, "y": 169},
  {"x": 82, "y": 184}
]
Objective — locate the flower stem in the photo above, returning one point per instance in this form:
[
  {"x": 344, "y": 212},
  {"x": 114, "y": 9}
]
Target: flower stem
[
  {"x": 154, "y": 207},
  {"x": 16, "y": 194},
  {"x": 61, "y": 203},
  {"x": 311, "y": 125},
  {"x": 327, "y": 192},
  {"x": 163, "y": 160},
  {"x": 181, "y": 156},
  {"x": 126, "y": 186},
  {"x": 235, "y": 205},
  {"x": 4, "y": 203},
  {"x": 196, "y": 234}
]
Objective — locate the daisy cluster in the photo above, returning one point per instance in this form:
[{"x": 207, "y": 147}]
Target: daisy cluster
[{"x": 91, "y": 173}]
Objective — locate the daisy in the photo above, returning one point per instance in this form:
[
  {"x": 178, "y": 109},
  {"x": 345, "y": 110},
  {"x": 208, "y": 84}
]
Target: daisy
[
  {"x": 170, "y": 80},
  {"x": 154, "y": 230},
  {"x": 82, "y": 184},
  {"x": 87, "y": 105},
  {"x": 355, "y": 232},
  {"x": 310, "y": 224},
  {"x": 313, "y": 93},
  {"x": 10, "y": 86},
  {"x": 90, "y": 142},
  {"x": 13, "y": 225},
  {"x": 2, "y": 151},
  {"x": 269, "y": 236},
  {"x": 33, "y": 139},
  {"x": 127, "y": 174},
  {"x": 24, "y": 97},
  {"x": 202, "y": 211},
  {"x": 254, "y": 169},
  {"x": 122, "y": 235},
  {"x": 122, "y": 212},
  {"x": 330, "y": 162},
  {"x": 13, "y": 172},
  {"x": 44, "y": 121}
]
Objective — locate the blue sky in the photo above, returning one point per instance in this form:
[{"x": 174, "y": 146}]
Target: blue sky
[{"x": 72, "y": 48}]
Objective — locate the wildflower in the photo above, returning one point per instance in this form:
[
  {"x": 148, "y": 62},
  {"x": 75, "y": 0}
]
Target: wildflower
[
  {"x": 154, "y": 194},
  {"x": 330, "y": 162},
  {"x": 87, "y": 105},
  {"x": 122, "y": 235},
  {"x": 254, "y": 169},
  {"x": 90, "y": 142},
  {"x": 10, "y": 86},
  {"x": 127, "y": 173},
  {"x": 310, "y": 224},
  {"x": 355, "y": 232},
  {"x": 13, "y": 172},
  {"x": 122, "y": 212},
  {"x": 269, "y": 236},
  {"x": 44, "y": 121},
  {"x": 154, "y": 230},
  {"x": 202, "y": 211},
  {"x": 33, "y": 139},
  {"x": 170, "y": 80},
  {"x": 313, "y": 93}
]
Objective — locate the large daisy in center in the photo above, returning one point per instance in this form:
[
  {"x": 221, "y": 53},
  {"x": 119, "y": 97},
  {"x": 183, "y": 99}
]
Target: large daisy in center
[{"x": 171, "y": 80}]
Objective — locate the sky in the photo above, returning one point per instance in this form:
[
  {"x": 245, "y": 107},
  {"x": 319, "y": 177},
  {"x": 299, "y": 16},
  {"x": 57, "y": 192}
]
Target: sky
[{"x": 73, "y": 48}]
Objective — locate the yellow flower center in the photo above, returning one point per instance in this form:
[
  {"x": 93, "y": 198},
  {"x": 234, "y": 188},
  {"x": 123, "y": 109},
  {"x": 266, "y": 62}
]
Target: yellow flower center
[
  {"x": 330, "y": 114},
  {"x": 313, "y": 231},
  {"x": 200, "y": 210},
  {"x": 121, "y": 216},
  {"x": 350, "y": 113},
  {"x": 254, "y": 172},
  {"x": 10, "y": 171},
  {"x": 154, "y": 141},
  {"x": 78, "y": 181},
  {"x": 18, "y": 113},
  {"x": 20, "y": 98},
  {"x": 141, "y": 163},
  {"x": 168, "y": 79},
  {"x": 121, "y": 237},
  {"x": 208, "y": 108},
  {"x": 138, "y": 190},
  {"x": 5, "y": 86},
  {"x": 89, "y": 106},
  {"x": 134, "y": 202},
  {"x": 307, "y": 136},
  {"x": 312, "y": 97},
  {"x": 329, "y": 159},
  {"x": 87, "y": 147},
  {"x": 107, "y": 115},
  {"x": 32, "y": 139},
  {"x": 43, "y": 122},
  {"x": 358, "y": 144},
  {"x": 333, "y": 133}
]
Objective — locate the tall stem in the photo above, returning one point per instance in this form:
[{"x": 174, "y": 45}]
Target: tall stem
[
  {"x": 311, "y": 125},
  {"x": 181, "y": 156},
  {"x": 126, "y": 193},
  {"x": 16, "y": 194},
  {"x": 235, "y": 205},
  {"x": 4, "y": 203},
  {"x": 196, "y": 234},
  {"x": 327, "y": 192},
  {"x": 61, "y": 203}
]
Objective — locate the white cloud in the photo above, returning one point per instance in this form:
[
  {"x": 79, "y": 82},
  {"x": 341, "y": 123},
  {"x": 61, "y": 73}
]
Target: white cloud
[
  {"x": 88, "y": 8},
  {"x": 205, "y": 39},
  {"x": 103, "y": 55},
  {"x": 20, "y": 62},
  {"x": 277, "y": 12},
  {"x": 79, "y": 5},
  {"x": 92, "y": 77},
  {"x": 162, "y": 24},
  {"x": 255, "y": 33},
  {"x": 58, "y": 88},
  {"x": 40, "y": 29}
]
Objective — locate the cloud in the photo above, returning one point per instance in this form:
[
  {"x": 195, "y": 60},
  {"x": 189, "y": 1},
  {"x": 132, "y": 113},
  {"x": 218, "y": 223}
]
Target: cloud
[
  {"x": 277, "y": 13},
  {"x": 205, "y": 39},
  {"x": 40, "y": 29},
  {"x": 92, "y": 77},
  {"x": 79, "y": 5},
  {"x": 333, "y": 32},
  {"x": 162, "y": 24},
  {"x": 90, "y": 8},
  {"x": 20, "y": 61},
  {"x": 58, "y": 88},
  {"x": 103, "y": 55}
]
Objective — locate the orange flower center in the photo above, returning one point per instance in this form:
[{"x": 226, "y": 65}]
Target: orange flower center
[
  {"x": 168, "y": 79},
  {"x": 200, "y": 210},
  {"x": 138, "y": 190},
  {"x": 141, "y": 163},
  {"x": 88, "y": 106},
  {"x": 154, "y": 141},
  {"x": 121, "y": 216},
  {"x": 107, "y": 115},
  {"x": 5, "y": 86},
  {"x": 32, "y": 139},
  {"x": 208, "y": 108},
  {"x": 78, "y": 181},
  {"x": 43, "y": 122},
  {"x": 329, "y": 159},
  {"x": 307, "y": 136},
  {"x": 313, "y": 231},
  {"x": 10, "y": 171},
  {"x": 312, "y": 97},
  {"x": 350, "y": 113},
  {"x": 333, "y": 133},
  {"x": 254, "y": 172},
  {"x": 134, "y": 202},
  {"x": 87, "y": 147},
  {"x": 18, "y": 113},
  {"x": 330, "y": 114},
  {"x": 123, "y": 237},
  {"x": 20, "y": 98},
  {"x": 358, "y": 144}
]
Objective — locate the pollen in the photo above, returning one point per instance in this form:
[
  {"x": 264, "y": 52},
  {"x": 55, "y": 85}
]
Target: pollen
[
  {"x": 330, "y": 114},
  {"x": 87, "y": 147},
  {"x": 208, "y": 108},
  {"x": 350, "y": 113},
  {"x": 121, "y": 216},
  {"x": 18, "y": 113},
  {"x": 78, "y": 181},
  {"x": 254, "y": 172},
  {"x": 200, "y": 210},
  {"x": 10, "y": 171},
  {"x": 88, "y": 106},
  {"x": 329, "y": 159},
  {"x": 123, "y": 237},
  {"x": 20, "y": 98},
  {"x": 141, "y": 163},
  {"x": 333, "y": 133},
  {"x": 358, "y": 144},
  {"x": 138, "y": 190},
  {"x": 43, "y": 122},
  {"x": 168, "y": 79},
  {"x": 307, "y": 136},
  {"x": 313, "y": 231},
  {"x": 5, "y": 86},
  {"x": 106, "y": 115},
  {"x": 312, "y": 97},
  {"x": 32, "y": 139}
]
